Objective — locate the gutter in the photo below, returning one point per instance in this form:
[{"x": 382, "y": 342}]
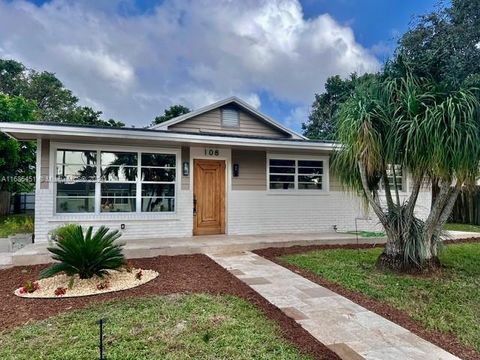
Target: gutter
[{"x": 36, "y": 130}]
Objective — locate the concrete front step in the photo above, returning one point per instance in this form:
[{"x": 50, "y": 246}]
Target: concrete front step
[
  {"x": 38, "y": 253},
  {"x": 5, "y": 260}
]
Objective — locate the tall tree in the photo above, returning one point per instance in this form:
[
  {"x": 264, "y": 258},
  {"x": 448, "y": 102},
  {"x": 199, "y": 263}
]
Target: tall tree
[
  {"x": 170, "y": 113},
  {"x": 55, "y": 102},
  {"x": 322, "y": 120},
  {"x": 445, "y": 45},
  {"x": 17, "y": 159},
  {"x": 12, "y": 76},
  {"x": 409, "y": 123},
  {"x": 84, "y": 115}
]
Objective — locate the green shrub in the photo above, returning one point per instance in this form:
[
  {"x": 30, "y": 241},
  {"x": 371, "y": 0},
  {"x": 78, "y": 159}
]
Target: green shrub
[
  {"x": 63, "y": 232},
  {"x": 85, "y": 254},
  {"x": 16, "y": 224}
]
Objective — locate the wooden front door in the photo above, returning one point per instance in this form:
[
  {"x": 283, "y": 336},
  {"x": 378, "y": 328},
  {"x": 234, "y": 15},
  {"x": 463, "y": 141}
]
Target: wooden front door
[{"x": 209, "y": 197}]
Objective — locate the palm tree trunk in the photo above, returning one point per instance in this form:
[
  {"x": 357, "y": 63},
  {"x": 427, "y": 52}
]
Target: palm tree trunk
[
  {"x": 439, "y": 215},
  {"x": 391, "y": 258},
  {"x": 372, "y": 200}
]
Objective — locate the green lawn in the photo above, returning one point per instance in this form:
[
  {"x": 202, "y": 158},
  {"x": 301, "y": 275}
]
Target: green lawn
[
  {"x": 168, "y": 327},
  {"x": 448, "y": 302},
  {"x": 462, "y": 227},
  {"x": 15, "y": 224}
]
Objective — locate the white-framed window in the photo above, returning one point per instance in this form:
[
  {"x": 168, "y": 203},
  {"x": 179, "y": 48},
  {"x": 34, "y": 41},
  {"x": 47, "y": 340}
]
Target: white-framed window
[
  {"x": 230, "y": 118},
  {"x": 76, "y": 175},
  {"x": 111, "y": 181},
  {"x": 392, "y": 175},
  {"x": 158, "y": 173},
  {"x": 118, "y": 182},
  {"x": 297, "y": 173}
]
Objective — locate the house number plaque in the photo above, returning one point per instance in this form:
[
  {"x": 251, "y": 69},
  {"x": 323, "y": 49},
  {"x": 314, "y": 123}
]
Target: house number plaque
[{"x": 212, "y": 152}]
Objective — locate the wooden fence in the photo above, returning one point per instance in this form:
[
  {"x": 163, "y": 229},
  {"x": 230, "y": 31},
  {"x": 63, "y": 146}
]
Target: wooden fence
[{"x": 467, "y": 208}]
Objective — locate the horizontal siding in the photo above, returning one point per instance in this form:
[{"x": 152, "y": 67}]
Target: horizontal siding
[
  {"x": 211, "y": 122},
  {"x": 252, "y": 170}
]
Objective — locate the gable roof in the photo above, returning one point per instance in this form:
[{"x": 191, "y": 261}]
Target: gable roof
[{"x": 231, "y": 100}]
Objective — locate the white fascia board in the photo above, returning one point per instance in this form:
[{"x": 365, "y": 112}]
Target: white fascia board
[{"x": 37, "y": 130}]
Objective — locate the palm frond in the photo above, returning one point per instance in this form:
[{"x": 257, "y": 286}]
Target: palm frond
[{"x": 87, "y": 254}]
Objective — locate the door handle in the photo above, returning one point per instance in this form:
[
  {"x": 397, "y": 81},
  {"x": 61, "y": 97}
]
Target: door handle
[{"x": 194, "y": 205}]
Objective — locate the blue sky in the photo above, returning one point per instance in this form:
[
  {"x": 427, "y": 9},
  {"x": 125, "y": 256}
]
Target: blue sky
[
  {"x": 374, "y": 21},
  {"x": 377, "y": 25},
  {"x": 133, "y": 58}
]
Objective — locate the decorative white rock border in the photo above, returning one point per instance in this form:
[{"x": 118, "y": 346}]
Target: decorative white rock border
[{"x": 117, "y": 281}]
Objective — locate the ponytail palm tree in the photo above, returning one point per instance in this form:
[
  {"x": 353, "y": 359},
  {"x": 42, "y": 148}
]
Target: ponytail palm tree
[{"x": 408, "y": 122}]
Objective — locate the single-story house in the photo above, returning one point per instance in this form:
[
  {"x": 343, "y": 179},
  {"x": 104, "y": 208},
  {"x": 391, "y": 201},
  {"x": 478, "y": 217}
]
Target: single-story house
[{"x": 222, "y": 169}]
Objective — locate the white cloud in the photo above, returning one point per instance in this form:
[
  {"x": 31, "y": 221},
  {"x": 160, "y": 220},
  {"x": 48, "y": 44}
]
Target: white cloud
[
  {"x": 189, "y": 52},
  {"x": 99, "y": 63},
  {"x": 297, "y": 116}
]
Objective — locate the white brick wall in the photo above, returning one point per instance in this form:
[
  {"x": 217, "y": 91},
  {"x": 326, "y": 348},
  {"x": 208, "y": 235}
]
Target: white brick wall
[
  {"x": 249, "y": 212},
  {"x": 257, "y": 212},
  {"x": 43, "y": 213},
  {"x": 137, "y": 226}
]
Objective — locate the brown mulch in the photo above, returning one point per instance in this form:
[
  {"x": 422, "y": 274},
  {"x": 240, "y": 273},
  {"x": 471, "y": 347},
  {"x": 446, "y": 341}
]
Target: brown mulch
[
  {"x": 178, "y": 274},
  {"x": 449, "y": 342}
]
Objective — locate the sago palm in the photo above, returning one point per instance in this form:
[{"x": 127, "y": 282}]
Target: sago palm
[{"x": 86, "y": 254}]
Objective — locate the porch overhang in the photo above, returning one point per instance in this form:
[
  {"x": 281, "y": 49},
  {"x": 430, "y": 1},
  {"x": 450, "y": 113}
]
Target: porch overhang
[{"x": 134, "y": 136}]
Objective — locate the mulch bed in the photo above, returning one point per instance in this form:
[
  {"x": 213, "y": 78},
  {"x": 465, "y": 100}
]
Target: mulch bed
[
  {"x": 178, "y": 274},
  {"x": 448, "y": 342}
]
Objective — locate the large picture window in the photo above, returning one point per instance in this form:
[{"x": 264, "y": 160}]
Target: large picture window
[
  {"x": 76, "y": 174},
  {"x": 296, "y": 174},
  {"x": 114, "y": 181}
]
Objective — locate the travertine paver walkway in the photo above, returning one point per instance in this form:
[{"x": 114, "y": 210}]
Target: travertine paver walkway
[{"x": 350, "y": 330}]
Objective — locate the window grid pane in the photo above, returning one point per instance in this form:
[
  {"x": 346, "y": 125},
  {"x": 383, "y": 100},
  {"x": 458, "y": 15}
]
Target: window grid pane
[
  {"x": 158, "y": 160},
  {"x": 76, "y": 157},
  {"x": 281, "y": 186},
  {"x": 68, "y": 172},
  {"x": 158, "y": 175},
  {"x": 118, "y": 197},
  {"x": 119, "y": 173},
  {"x": 75, "y": 204},
  {"x": 158, "y": 204},
  {"x": 109, "y": 158}
]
